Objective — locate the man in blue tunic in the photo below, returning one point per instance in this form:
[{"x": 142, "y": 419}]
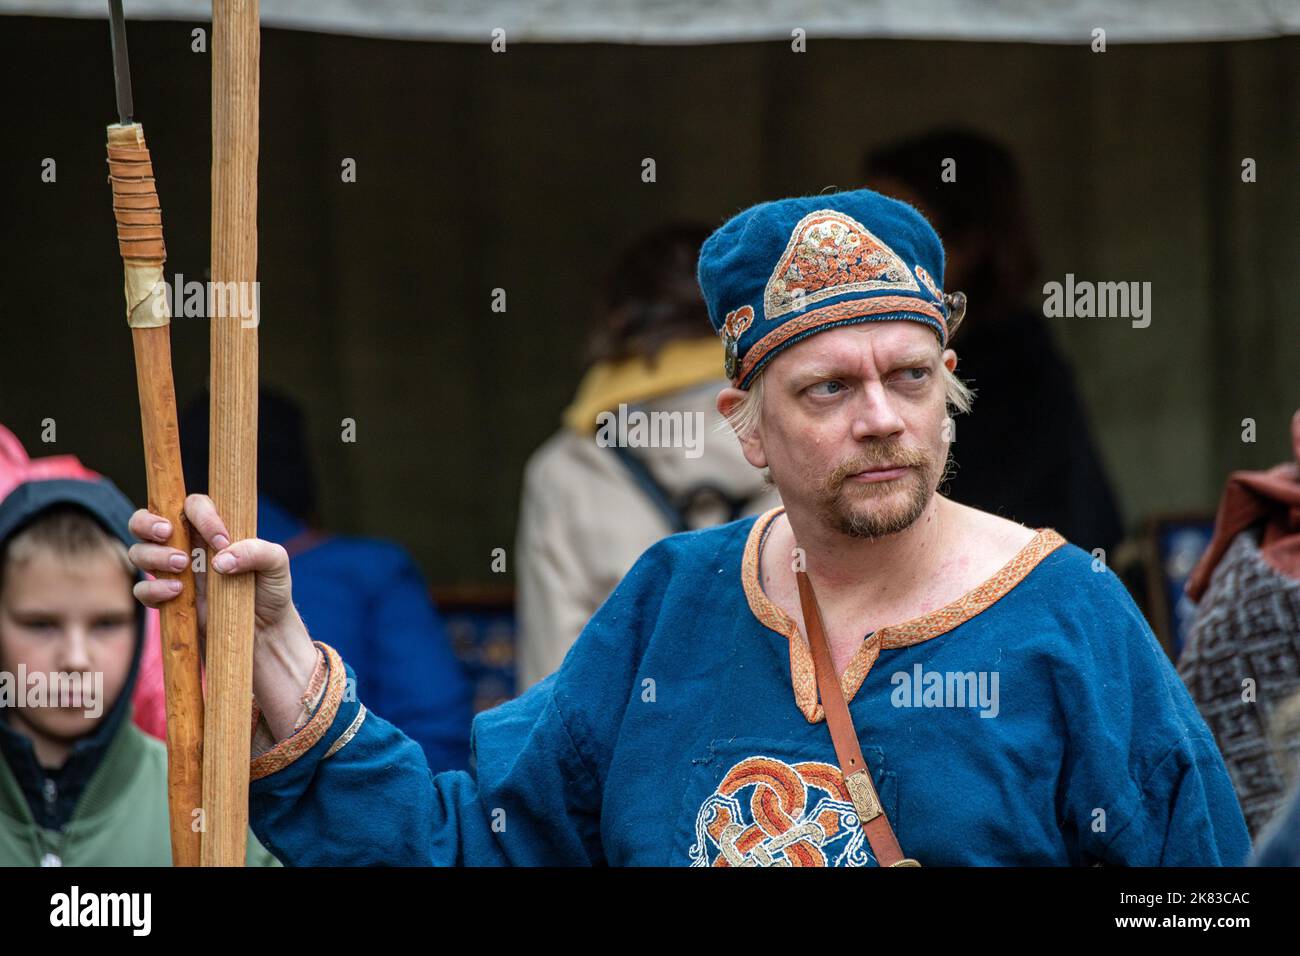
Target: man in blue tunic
[{"x": 1008, "y": 700}]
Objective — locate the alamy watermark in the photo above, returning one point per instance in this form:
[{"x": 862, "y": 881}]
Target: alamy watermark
[
  {"x": 922, "y": 688},
  {"x": 657, "y": 429},
  {"x": 207, "y": 300},
  {"x": 84, "y": 689},
  {"x": 1084, "y": 299},
  {"x": 74, "y": 908}
]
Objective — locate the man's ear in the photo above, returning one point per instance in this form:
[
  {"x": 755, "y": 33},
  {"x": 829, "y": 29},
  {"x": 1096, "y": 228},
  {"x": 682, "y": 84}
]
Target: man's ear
[
  {"x": 949, "y": 359},
  {"x": 751, "y": 445}
]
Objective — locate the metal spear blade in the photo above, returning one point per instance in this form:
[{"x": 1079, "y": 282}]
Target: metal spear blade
[{"x": 121, "y": 63}]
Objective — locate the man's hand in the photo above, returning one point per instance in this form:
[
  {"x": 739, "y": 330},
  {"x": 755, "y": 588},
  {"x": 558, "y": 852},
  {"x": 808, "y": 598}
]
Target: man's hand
[
  {"x": 274, "y": 608},
  {"x": 283, "y": 655}
]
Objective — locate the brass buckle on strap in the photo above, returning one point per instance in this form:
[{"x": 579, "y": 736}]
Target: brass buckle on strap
[
  {"x": 863, "y": 794},
  {"x": 867, "y": 803}
]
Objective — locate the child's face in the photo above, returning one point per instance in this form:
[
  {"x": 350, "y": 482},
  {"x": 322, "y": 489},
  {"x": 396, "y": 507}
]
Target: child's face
[{"x": 67, "y": 616}]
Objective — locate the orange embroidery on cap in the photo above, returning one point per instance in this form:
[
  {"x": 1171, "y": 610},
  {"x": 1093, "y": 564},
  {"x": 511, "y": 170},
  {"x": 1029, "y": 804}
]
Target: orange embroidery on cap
[
  {"x": 838, "y": 312},
  {"x": 733, "y": 328},
  {"x": 928, "y": 282},
  {"x": 831, "y": 254},
  {"x": 738, "y": 321}
]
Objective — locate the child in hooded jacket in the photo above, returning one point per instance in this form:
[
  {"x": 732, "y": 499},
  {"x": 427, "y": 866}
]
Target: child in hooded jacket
[{"x": 80, "y": 784}]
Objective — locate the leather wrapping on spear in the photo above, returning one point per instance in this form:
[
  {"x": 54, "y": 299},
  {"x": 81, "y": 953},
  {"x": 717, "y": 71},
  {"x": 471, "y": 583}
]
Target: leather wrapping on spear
[
  {"x": 233, "y": 450},
  {"x": 140, "y": 241}
]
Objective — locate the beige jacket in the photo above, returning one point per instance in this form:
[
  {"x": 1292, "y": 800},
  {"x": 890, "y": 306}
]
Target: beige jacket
[{"x": 584, "y": 521}]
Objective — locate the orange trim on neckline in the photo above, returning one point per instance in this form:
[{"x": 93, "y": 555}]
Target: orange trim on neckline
[{"x": 918, "y": 629}]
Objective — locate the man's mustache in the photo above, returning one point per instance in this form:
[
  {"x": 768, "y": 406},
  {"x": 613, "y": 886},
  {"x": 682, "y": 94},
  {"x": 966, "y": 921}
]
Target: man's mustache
[{"x": 875, "y": 457}]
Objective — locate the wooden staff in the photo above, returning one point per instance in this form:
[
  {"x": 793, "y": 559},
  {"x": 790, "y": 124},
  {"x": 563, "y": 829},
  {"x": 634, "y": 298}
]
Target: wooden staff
[
  {"x": 233, "y": 418},
  {"x": 140, "y": 241}
]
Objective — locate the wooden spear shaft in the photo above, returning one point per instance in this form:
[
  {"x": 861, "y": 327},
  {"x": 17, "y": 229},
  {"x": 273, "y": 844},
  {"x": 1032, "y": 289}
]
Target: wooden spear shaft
[
  {"x": 140, "y": 241},
  {"x": 233, "y": 418}
]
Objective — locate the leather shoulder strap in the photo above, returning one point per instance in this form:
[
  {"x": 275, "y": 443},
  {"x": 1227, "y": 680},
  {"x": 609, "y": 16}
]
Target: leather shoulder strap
[{"x": 857, "y": 775}]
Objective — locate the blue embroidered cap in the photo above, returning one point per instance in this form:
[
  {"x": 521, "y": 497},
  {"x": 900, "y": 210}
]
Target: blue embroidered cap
[{"x": 784, "y": 270}]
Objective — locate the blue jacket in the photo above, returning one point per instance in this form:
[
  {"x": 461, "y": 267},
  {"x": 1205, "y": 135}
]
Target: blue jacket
[
  {"x": 368, "y": 599},
  {"x": 683, "y": 729}
]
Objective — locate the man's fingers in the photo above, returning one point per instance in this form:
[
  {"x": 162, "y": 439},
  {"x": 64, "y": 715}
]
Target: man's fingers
[
  {"x": 252, "y": 554},
  {"x": 157, "y": 558},
  {"x": 156, "y": 592},
  {"x": 204, "y": 518},
  {"x": 148, "y": 526}
]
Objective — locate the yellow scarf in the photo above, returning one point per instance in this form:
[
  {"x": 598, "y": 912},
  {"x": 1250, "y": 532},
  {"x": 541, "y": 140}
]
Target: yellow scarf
[{"x": 608, "y": 384}]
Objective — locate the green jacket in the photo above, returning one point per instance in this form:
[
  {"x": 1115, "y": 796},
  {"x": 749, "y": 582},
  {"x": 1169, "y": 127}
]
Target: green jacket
[{"x": 120, "y": 820}]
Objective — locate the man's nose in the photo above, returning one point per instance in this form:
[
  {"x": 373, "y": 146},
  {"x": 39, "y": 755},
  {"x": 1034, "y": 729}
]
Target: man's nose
[{"x": 875, "y": 415}]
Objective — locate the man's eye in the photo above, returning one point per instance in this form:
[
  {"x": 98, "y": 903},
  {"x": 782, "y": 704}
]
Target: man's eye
[
  {"x": 918, "y": 374},
  {"x": 831, "y": 387}
]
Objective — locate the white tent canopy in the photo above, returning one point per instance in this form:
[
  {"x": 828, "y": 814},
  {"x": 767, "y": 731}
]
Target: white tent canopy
[{"x": 720, "y": 21}]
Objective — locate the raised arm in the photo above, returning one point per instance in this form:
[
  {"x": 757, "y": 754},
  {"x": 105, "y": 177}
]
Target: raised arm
[{"x": 339, "y": 786}]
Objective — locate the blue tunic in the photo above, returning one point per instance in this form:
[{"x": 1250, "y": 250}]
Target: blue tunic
[{"x": 1034, "y": 721}]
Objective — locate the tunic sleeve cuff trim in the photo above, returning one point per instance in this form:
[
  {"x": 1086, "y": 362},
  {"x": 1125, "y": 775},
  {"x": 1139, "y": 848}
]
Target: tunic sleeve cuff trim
[{"x": 294, "y": 746}]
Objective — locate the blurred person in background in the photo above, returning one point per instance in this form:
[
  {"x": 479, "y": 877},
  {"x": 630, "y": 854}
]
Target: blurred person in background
[
  {"x": 365, "y": 594},
  {"x": 1242, "y": 660},
  {"x": 590, "y": 506},
  {"x": 1278, "y": 843},
  {"x": 1059, "y": 480}
]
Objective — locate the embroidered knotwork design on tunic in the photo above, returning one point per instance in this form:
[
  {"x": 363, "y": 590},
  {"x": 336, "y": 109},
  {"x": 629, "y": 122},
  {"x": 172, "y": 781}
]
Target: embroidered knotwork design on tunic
[
  {"x": 767, "y": 812},
  {"x": 831, "y": 254}
]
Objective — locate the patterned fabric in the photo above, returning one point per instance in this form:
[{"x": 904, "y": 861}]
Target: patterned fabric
[
  {"x": 798, "y": 815},
  {"x": 783, "y": 270},
  {"x": 1247, "y": 628}
]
